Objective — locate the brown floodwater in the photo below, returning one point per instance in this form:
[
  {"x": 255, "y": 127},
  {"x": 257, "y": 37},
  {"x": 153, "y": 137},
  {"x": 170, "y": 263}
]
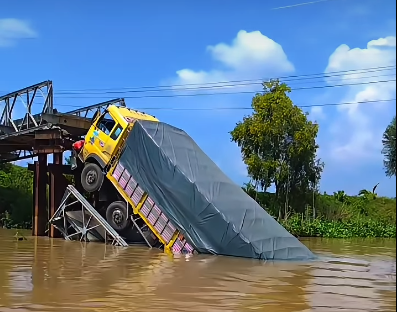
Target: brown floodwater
[{"x": 41, "y": 275}]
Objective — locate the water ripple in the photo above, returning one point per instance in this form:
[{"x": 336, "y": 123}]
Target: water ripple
[{"x": 55, "y": 275}]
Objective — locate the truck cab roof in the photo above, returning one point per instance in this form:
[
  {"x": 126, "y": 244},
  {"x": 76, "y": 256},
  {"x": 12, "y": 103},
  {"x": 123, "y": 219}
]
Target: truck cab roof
[{"x": 130, "y": 113}]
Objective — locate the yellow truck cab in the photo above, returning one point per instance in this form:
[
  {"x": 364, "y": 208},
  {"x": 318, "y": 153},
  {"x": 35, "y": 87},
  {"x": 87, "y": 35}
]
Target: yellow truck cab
[
  {"x": 98, "y": 156},
  {"x": 103, "y": 142}
]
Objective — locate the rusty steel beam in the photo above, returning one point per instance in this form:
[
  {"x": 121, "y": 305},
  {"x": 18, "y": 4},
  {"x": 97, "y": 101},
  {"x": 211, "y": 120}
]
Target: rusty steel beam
[
  {"x": 67, "y": 120},
  {"x": 48, "y": 149},
  {"x": 48, "y": 134},
  {"x": 40, "y": 216},
  {"x": 58, "y": 184},
  {"x": 26, "y": 97},
  {"x": 23, "y": 132}
]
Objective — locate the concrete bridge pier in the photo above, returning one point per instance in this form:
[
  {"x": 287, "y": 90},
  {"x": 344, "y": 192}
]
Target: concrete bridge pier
[{"x": 51, "y": 175}]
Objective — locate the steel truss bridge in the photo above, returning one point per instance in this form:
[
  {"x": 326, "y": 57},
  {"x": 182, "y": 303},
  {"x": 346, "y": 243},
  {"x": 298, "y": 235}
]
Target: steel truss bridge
[{"x": 39, "y": 135}]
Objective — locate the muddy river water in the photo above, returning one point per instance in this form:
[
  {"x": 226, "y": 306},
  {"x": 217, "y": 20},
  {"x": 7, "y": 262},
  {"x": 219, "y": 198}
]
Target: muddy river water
[{"x": 55, "y": 275}]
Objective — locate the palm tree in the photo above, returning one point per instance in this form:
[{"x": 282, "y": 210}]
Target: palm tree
[
  {"x": 341, "y": 197},
  {"x": 250, "y": 189},
  {"x": 368, "y": 195},
  {"x": 389, "y": 148}
]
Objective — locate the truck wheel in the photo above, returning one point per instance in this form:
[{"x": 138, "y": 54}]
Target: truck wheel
[
  {"x": 117, "y": 216},
  {"x": 91, "y": 177}
]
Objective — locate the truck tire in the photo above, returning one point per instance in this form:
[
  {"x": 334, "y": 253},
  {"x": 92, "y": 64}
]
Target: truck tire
[
  {"x": 117, "y": 216},
  {"x": 91, "y": 177}
]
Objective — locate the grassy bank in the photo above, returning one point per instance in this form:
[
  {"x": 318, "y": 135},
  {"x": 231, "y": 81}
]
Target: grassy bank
[
  {"x": 337, "y": 215},
  {"x": 365, "y": 228},
  {"x": 333, "y": 216}
]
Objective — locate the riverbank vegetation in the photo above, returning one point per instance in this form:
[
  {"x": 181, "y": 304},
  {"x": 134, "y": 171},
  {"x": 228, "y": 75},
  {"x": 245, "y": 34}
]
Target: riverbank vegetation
[
  {"x": 16, "y": 196},
  {"x": 278, "y": 145},
  {"x": 389, "y": 148},
  {"x": 334, "y": 215}
]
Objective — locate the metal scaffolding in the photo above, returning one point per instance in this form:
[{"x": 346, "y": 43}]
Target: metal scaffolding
[{"x": 77, "y": 219}]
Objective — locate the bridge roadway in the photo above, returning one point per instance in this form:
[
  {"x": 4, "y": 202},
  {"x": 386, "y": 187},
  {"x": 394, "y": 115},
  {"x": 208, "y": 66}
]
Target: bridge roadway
[{"x": 39, "y": 135}]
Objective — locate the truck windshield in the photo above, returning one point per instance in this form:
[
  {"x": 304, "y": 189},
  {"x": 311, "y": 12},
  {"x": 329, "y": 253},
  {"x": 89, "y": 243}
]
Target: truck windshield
[{"x": 106, "y": 123}]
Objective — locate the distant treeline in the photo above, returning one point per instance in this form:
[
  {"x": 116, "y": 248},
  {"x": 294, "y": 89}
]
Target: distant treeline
[{"x": 336, "y": 215}]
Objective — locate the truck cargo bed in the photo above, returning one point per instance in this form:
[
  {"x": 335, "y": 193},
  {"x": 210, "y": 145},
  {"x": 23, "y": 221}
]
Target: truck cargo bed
[{"x": 190, "y": 193}]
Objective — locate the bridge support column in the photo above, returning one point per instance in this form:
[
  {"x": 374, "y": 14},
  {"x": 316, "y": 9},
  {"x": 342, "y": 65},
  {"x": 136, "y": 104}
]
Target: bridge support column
[
  {"x": 57, "y": 187},
  {"x": 39, "y": 196}
]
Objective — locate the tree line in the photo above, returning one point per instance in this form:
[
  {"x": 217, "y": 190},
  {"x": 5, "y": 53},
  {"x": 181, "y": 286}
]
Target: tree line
[{"x": 279, "y": 147}]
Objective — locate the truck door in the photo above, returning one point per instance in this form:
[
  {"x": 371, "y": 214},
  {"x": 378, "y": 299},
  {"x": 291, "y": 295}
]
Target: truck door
[{"x": 106, "y": 135}]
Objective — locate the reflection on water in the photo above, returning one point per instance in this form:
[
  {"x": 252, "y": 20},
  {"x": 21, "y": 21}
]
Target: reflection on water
[{"x": 55, "y": 275}]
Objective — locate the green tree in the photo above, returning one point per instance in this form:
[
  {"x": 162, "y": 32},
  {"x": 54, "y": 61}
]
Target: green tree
[
  {"x": 389, "y": 148},
  {"x": 278, "y": 145},
  {"x": 341, "y": 197},
  {"x": 16, "y": 190},
  {"x": 250, "y": 189}
]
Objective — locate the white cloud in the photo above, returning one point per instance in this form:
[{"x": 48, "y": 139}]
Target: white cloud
[
  {"x": 357, "y": 131},
  {"x": 250, "y": 55},
  {"x": 383, "y": 42},
  {"x": 12, "y": 29}
]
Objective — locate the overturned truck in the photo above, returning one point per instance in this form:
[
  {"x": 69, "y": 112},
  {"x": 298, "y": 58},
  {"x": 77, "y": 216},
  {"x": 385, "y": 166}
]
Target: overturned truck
[{"x": 154, "y": 180}]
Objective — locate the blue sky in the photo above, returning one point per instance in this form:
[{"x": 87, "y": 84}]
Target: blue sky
[{"x": 99, "y": 45}]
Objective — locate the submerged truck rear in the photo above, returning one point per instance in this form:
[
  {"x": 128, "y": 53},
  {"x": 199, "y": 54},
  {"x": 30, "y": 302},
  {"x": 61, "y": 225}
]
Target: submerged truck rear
[
  {"x": 212, "y": 213},
  {"x": 182, "y": 200}
]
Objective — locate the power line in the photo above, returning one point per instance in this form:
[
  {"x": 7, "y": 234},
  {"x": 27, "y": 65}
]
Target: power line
[
  {"x": 217, "y": 87},
  {"x": 258, "y": 80},
  {"x": 231, "y": 83},
  {"x": 228, "y": 93},
  {"x": 249, "y": 107}
]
